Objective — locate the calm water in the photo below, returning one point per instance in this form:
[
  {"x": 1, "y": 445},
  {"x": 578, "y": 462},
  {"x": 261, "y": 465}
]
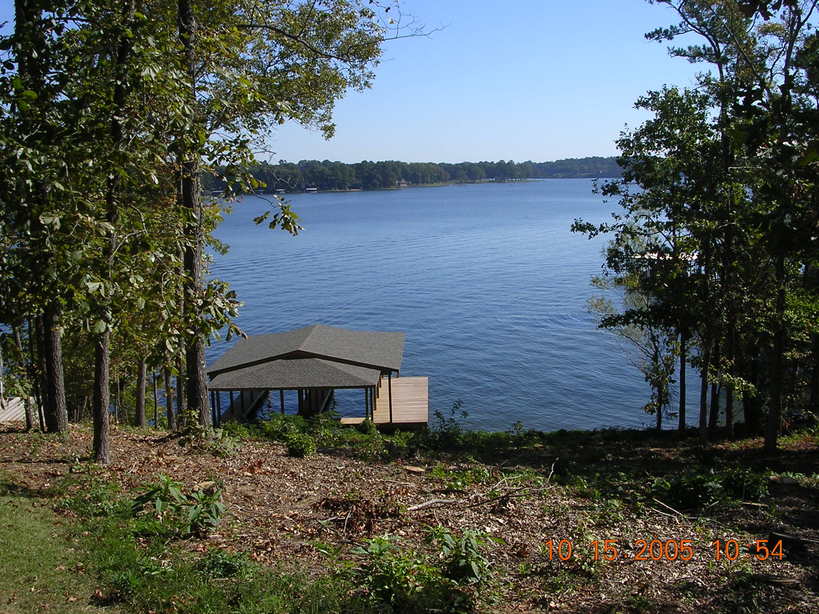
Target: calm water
[{"x": 486, "y": 280}]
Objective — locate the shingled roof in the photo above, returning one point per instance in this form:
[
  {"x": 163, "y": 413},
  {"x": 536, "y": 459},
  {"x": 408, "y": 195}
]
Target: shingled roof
[
  {"x": 295, "y": 373},
  {"x": 310, "y": 357}
]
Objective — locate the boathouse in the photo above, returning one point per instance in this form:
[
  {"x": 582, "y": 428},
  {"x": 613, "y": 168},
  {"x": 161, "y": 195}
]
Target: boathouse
[{"x": 312, "y": 362}]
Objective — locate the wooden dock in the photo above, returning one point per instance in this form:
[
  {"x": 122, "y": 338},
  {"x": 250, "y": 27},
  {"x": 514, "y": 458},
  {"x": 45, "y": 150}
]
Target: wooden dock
[{"x": 410, "y": 402}]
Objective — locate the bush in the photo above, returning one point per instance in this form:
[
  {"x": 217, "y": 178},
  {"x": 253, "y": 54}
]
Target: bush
[
  {"x": 447, "y": 430},
  {"x": 367, "y": 427},
  {"x": 402, "y": 581},
  {"x": 300, "y": 445},
  {"x": 165, "y": 509},
  {"x": 702, "y": 488},
  {"x": 223, "y": 564},
  {"x": 745, "y": 484},
  {"x": 279, "y": 428},
  {"x": 95, "y": 499},
  {"x": 463, "y": 561}
]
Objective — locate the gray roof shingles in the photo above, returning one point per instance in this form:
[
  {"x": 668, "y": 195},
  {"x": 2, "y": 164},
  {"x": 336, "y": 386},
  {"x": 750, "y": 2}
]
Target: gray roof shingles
[
  {"x": 310, "y": 357},
  {"x": 296, "y": 373}
]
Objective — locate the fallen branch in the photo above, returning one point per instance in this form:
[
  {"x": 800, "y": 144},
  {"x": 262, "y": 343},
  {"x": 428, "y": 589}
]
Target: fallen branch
[
  {"x": 511, "y": 494},
  {"x": 421, "y": 506},
  {"x": 662, "y": 513},
  {"x": 668, "y": 507},
  {"x": 552, "y": 470}
]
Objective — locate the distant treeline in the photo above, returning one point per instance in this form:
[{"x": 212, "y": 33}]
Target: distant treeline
[{"x": 326, "y": 175}]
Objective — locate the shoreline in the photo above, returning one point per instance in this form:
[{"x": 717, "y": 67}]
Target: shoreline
[{"x": 424, "y": 185}]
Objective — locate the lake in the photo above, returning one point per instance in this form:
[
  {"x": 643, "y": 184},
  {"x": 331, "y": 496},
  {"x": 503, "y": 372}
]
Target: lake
[{"x": 486, "y": 280}]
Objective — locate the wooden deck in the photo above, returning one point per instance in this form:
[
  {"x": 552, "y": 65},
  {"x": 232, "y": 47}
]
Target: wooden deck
[{"x": 410, "y": 402}]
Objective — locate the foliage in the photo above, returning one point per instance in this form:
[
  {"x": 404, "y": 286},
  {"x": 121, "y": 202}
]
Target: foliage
[
  {"x": 300, "y": 445},
  {"x": 326, "y": 175},
  {"x": 96, "y": 498},
  {"x": 148, "y": 576},
  {"x": 462, "y": 558},
  {"x": 367, "y": 427},
  {"x": 398, "y": 580},
  {"x": 109, "y": 112},
  {"x": 219, "y": 442},
  {"x": 704, "y": 488},
  {"x": 716, "y": 226},
  {"x": 455, "y": 480},
  {"x": 223, "y": 564},
  {"x": 166, "y": 509}
]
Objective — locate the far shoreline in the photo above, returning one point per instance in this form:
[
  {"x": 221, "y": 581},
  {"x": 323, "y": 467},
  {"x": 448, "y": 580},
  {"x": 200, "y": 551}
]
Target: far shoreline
[{"x": 418, "y": 185}]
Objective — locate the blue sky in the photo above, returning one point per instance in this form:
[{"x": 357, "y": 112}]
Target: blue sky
[{"x": 514, "y": 79}]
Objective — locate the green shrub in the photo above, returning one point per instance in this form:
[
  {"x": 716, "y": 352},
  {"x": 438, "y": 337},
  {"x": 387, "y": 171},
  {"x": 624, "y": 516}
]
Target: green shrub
[
  {"x": 367, "y": 427},
  {"x": 459, "y": 480},
  {"x": 399, "y": 443},
  {"x": 97, "y": 498},
  {"x": 701, "y": 488},
  {"x": 279, "y": 428},
  {"x": 300, "y": 445},
  {"x": 447, "y": 430},
  {"x": 223, "y": 564},
  {"x": 240, "y": 430},
  {"x": 463, "y": 561},
  {"x": 403, "y": 581},
  {"x": 742, "y": 483},
  {"x": 165, "y": 509}
]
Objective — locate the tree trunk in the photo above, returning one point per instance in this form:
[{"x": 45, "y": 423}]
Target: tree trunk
[
  {"x": 154, "y": 377},
  {"x": 166, "y": 374},
  {"x": 704, "y": 393},
  {"x": 140, "y": 395},
  {"x": 713, "y": 415},
  {"x": 814, "y": 380},
  {"x": 729, "y": 392},
  {"x": 778, "y": 371},
  {"x": 56, "y": 414},
  {"x": 102, "y": 369},
  {"x": 35, "y": 344},
  {"x": 659, "y": 415},
  {"x": 681, "y": 422},
  {"x": 197, "y": 392},
  {"x": 102, "y": 399},
  {"x": 181, "y": 401}
]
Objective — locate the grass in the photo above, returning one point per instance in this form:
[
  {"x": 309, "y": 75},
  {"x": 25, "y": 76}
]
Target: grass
[
  {"x": 39, "y": 567},
  {"x": 145, "y": 570}
]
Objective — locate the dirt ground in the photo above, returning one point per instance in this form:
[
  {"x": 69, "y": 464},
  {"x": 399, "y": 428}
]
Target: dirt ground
[{"x": 311, "y": 512}]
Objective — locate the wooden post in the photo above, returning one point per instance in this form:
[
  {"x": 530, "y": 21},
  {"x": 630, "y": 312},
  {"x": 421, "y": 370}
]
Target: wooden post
[
  {"x": 281, "y": 401},
  {"x": 219, "y": 407},
  {"x": 389, "y": 386}
]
